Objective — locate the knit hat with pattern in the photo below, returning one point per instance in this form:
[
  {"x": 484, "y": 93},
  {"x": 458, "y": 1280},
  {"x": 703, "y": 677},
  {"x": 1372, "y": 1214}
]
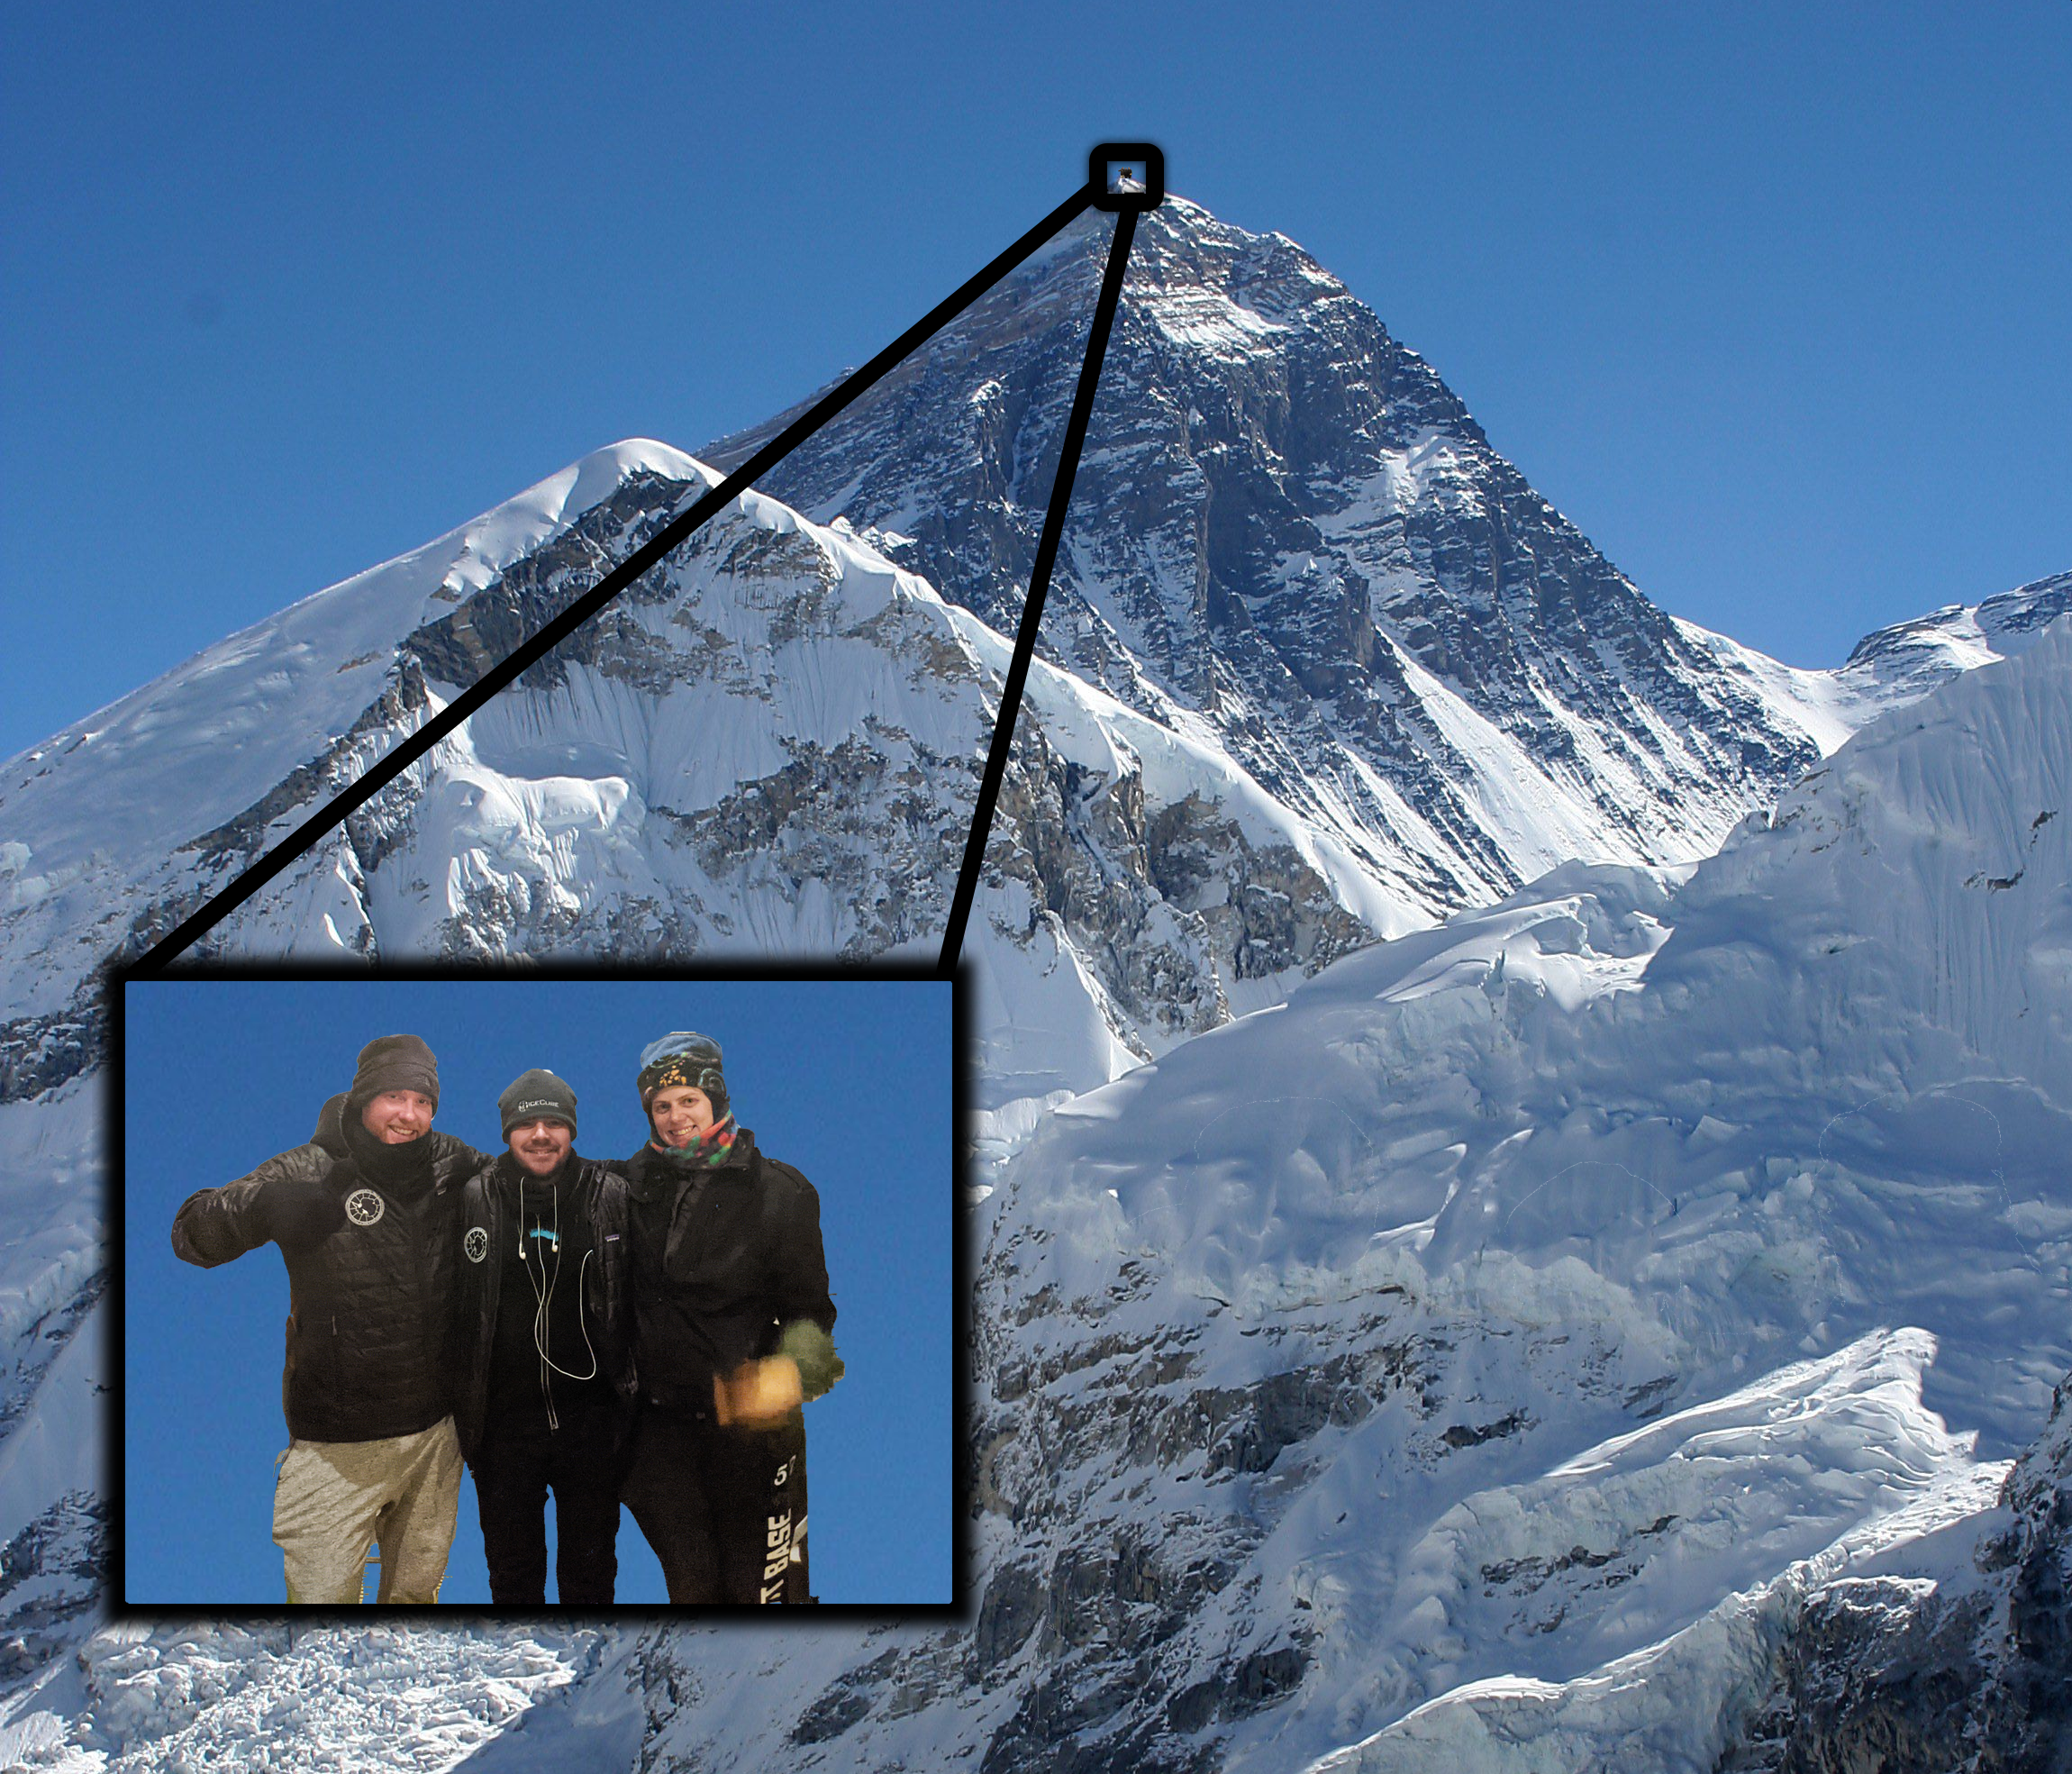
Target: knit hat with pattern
[{"x": 682, "y": 1058}]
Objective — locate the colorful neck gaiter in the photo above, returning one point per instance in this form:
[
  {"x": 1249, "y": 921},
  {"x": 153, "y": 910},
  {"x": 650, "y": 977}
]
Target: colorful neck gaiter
[{"x": 708, "y": 1151}]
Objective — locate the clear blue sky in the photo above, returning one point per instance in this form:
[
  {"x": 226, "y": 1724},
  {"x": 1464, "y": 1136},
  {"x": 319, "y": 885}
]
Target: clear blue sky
[
  {"x": 1771, "y": 299},
  {"x": 850, "y": 1081}
]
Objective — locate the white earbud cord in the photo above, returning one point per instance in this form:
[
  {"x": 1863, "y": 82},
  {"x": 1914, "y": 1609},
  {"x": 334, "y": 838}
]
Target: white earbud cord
[{"x": 543, "y": 1297}]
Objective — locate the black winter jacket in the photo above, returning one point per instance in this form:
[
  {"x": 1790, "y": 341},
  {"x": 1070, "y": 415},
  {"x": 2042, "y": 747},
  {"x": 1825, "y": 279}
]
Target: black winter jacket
[
  {"x": 723, "y": 1259},
  {"x": 369, "y": 1323},
  {"x": 489, "y": 1222}
]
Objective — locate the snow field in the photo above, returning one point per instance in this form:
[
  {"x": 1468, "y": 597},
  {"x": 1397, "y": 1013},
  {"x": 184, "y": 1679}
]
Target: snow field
[{"x": 1774, "y": 1144}]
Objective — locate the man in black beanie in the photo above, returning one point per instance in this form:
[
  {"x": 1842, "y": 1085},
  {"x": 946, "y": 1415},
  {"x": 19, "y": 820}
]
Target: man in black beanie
[
  {"x": 544, "y": 1352},
  {"x": 730, "y": 1288},
  {"x": 366, "y": 1216}
]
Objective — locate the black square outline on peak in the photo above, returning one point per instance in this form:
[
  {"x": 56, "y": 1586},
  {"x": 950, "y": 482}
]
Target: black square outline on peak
[{"x": 1154, "y": 163}]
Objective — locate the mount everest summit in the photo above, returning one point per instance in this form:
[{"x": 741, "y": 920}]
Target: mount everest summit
[{"x": 1590, "y": 1236}]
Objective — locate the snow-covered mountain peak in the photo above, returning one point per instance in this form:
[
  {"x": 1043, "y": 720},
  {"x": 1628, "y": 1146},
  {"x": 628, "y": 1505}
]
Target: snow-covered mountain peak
[
  {"x": 1912, "y": 657},
  {"x": 1926, "y": 870},
  {"x": 1503, "y": 1332},
  {"x": 1289, "y": 532},
  {"x": 212, "y": 735}
]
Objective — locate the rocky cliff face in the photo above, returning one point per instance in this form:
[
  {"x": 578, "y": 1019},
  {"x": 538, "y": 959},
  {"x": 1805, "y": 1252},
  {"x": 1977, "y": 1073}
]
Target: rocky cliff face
[{"x": 1973, "y": 1672}]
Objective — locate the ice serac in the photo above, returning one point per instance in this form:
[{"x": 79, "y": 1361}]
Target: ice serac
[{"x": 1515, "y": 1346}]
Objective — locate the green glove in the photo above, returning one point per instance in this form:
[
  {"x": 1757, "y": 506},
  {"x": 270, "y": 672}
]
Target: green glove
[{"x": 812, "y": 1351}]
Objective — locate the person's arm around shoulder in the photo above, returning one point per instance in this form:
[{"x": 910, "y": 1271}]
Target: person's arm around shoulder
[
  {"x": 611, "y": 1220},
  {"x": 455, "y": 1158},
  {"x": 285, "y": 1201}
]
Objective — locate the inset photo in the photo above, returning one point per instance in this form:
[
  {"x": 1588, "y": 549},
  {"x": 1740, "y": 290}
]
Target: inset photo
[{"x": 577, "y": 1290}]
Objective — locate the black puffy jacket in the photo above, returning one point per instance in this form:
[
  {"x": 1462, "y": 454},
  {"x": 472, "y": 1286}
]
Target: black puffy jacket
[
  {"x": 489, "y": 1222},
  {"x": 368, "y": 1328},
  {"x": 723, "y": 1259}
]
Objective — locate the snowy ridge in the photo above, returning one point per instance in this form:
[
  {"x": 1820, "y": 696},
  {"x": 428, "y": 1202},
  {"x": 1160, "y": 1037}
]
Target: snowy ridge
[
  {"x": 211, "y": 738},
  {"x": 1472, "y": 1198},
  {"x": 212, "y": 735},
  {"x": 1915, "y": 656}
]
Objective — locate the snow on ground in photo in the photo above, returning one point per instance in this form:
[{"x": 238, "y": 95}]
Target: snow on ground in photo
[
  {"x": 1774, "y": 1144},
  {"x": 181, "y": 1696},
  {"x": 1718, "y": 1211}
]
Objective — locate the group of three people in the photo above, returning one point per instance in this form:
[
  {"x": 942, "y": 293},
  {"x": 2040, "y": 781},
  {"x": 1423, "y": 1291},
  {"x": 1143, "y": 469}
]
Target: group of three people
[{"x": 642, "y": 1332}]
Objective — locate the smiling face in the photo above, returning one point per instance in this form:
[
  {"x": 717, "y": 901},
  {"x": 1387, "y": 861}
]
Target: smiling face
[
  {"x": 397, "y": 1118},
  {"x": 681, "y": 1112},
  {"x": 540, "y": 1146}
]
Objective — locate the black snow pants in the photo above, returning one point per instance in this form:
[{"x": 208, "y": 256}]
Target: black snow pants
[
  {"x": 520, "y": 1460},
  {"x": 724, "y": 1509}
]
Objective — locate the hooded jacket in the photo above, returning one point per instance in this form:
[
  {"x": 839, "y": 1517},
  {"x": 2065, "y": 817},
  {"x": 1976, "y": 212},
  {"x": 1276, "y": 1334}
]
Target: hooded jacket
[
  {"x": 489, "y": 1215},
  {"x": 368, "y": 1330},
  {"x": 723, "y": 1259}
]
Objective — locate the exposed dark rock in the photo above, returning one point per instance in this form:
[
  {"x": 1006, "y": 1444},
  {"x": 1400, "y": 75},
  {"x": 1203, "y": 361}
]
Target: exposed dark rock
[
  {"x": 41, "y": 1053},
  {"x": 1472, "y": 1435},
  {"x": 1012, "y": 1610},
  {"x": 1889, "y": 1674},
  {"x": 51, "y": 1577}
]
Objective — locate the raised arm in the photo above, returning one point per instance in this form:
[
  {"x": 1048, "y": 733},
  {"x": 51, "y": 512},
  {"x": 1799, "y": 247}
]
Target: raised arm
[{"x": 284, "y": 1200}]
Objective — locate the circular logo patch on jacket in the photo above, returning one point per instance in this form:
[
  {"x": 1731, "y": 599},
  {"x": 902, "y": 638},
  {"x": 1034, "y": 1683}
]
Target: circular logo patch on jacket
[
  {"x": 363, "y": 1207},
  {"x": 477, "y": 1243}
]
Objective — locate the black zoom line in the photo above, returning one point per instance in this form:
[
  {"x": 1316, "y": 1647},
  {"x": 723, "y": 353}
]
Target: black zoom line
[
  {"x": 380, "y": 774},
  {"x": 1039, "y": 584}
]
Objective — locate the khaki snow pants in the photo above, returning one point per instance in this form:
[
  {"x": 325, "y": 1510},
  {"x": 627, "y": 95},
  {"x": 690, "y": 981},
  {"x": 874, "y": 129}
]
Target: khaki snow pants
[{"x": 332, "y": 1501}]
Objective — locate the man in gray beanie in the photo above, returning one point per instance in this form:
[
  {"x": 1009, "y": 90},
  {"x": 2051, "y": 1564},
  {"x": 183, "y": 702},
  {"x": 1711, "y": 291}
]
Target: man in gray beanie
[
  {"x": 367, "y": 1219},
  {"x": 543, "y": 1346}
]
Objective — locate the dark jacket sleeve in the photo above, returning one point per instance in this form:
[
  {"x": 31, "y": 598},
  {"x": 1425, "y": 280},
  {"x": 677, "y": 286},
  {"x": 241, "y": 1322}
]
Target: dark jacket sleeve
[
  {"x": 805, "y": 1306},
  {"x": 802, "y": 1262},
  {"x": 455, "y": 1158},
  {"x": 616, "y": 1324},
  {"x": 215, "y": 1225}
]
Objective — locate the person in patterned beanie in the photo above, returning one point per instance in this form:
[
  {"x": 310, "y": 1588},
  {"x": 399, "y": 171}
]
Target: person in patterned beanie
[
  {"x": 366, "y": 1216},
  {"x": 735, "y": 1321}
]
